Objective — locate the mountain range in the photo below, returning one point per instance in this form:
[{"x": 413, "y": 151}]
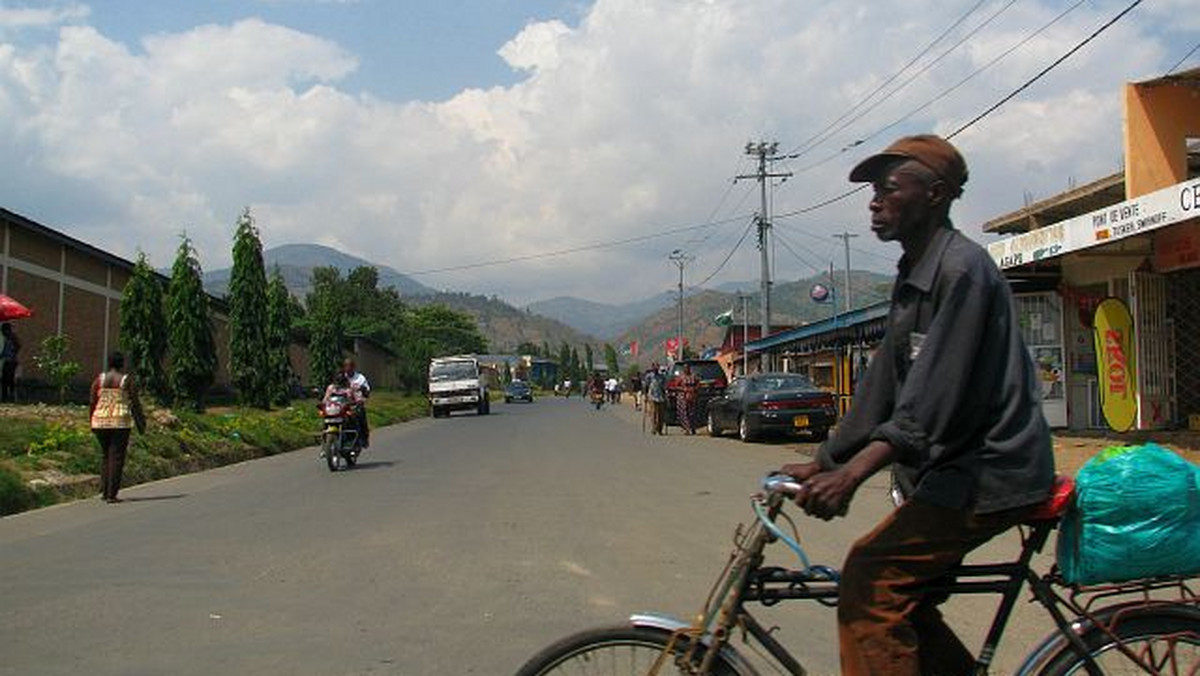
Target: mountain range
[
  {"x": 575, "y": 321},
  {"x": 503, "y": 325},
  {"x": 296, "y": 262}
]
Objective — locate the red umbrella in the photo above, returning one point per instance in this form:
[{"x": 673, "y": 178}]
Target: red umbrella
[{"x": 11, "y": 309}]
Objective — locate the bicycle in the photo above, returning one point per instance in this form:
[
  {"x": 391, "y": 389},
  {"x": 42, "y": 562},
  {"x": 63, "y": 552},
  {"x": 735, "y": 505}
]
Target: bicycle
[{"x": 1147, "y": 626}]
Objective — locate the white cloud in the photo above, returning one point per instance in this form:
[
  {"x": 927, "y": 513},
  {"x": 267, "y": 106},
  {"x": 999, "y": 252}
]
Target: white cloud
[
  {"x": 628, "y": 124},
  {"x": 41, "y": 17}
]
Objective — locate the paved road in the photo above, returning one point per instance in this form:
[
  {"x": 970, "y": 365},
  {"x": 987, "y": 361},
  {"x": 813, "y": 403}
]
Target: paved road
[{"x": 458, "y": 546}]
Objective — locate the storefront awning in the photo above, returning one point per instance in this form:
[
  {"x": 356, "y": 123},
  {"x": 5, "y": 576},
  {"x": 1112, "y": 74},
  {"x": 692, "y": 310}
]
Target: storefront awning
[
  {"x": 849, "y": 320},
  {"x": 1152, "y": 211}
]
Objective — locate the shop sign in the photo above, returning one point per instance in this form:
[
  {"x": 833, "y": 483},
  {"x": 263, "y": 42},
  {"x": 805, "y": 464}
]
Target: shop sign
[
  {"x": 1046, "y": 242},
  {"x": 1177, "y": 248},
  {"x": 1147, "y": 213},
  {"x": 1115, "y": 356}
]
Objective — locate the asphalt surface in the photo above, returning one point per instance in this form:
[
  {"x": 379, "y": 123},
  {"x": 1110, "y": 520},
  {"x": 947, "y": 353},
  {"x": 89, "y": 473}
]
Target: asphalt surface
[{"x": 458, "y": 546}]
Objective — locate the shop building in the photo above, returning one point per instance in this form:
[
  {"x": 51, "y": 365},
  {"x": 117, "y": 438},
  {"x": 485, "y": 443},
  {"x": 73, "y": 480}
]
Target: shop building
[{"x": 1134, "y": 236}]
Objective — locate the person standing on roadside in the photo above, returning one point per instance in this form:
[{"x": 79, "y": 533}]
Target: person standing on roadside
[
  {"x": 656, "y": 397},
  {"x": 635, "y": 387},
  {"x": 8, "y": 355},
  {"x": 951, "y": 401},
  {"x": 115, "y": 410},
  {"x": 685, "y": 399}
]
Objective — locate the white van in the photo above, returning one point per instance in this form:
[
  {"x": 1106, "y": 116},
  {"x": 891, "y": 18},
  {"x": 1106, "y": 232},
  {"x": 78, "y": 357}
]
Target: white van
[{"x": 456, "y": 384}]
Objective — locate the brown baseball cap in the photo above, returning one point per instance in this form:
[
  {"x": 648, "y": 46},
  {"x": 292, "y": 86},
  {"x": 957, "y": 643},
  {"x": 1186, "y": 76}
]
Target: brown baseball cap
[{"x": 933, "y": 151}]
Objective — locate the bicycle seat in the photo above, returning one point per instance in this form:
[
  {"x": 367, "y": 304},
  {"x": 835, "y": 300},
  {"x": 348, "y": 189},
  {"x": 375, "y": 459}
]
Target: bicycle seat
[{"x": 1061, "y": 495}]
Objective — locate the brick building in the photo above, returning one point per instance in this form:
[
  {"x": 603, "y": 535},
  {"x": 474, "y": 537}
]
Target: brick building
[{"x": 75, "y": 289}]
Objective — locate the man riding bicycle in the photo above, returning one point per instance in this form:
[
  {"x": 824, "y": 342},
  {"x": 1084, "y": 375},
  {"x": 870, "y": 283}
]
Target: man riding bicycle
[{"x": 951, "y": 401}]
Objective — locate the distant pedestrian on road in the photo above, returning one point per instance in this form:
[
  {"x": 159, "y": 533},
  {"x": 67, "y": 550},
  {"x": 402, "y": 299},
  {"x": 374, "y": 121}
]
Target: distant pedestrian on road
[
  {"x": 685, "y": 400},
  {"x": 115, "y": 411},
  {"x": 635, "y": 387},
  {"x": 656, "y": 397},
  {"x": 8, "y": 354}
]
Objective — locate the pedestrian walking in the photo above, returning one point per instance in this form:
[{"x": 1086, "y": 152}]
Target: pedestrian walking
[
  {"x": 685, "y": 400},
  {"x": 115, "y": 411},
  {"x": 656, "y": 397},
  {"x": 8, "y": 371},
  {"x": 635, "y": 387}
]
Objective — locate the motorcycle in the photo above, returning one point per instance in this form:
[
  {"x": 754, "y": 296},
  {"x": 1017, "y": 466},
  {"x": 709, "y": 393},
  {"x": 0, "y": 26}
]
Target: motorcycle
[{"x": 340, "y": 441}]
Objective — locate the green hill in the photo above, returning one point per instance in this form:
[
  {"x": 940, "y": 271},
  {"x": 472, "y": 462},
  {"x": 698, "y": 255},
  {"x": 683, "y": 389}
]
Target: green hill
[{"x": 791, "y": 305}]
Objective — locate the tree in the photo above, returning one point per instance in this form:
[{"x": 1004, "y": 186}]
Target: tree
[
  {"x": 326, "y": 331},
  {"x": 52, "y": 360},
  {"x": 452, "y": 332},
  {"x": 610, "y": 360},
  {"x": 530, "y": 349},
  {"x": 564, "y": 361},
  {"x": 279, "y": 339},
  {"x": 193, "y": 355},
  {"x": 249, "y": 358},
  {"x": 144, "y": 329},
  {"x": 589, "y": 359},
  {"x": 576, "y": 366}
]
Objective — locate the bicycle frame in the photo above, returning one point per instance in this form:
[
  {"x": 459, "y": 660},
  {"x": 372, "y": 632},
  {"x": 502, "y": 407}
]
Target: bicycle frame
[{"x": 745, "y": 580}]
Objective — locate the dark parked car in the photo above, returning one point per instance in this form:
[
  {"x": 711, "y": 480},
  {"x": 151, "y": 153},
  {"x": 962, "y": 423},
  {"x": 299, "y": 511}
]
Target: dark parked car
[
  {"x": 772, "y": 402},
  {"x": 518, "y": 390},
  {"x": 712, "y": 384}
]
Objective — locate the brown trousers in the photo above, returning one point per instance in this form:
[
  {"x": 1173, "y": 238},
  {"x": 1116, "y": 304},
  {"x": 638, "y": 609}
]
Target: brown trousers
[
  {"x": 657, "y": 408},
  {"x": 886, "y": 625},
  {"x": 113, "y": 444}
]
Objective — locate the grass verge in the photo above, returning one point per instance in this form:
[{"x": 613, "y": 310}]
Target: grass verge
[{"x": 48, "y": 453}]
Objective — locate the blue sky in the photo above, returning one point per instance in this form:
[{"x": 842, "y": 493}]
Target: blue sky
[
  {"x": 465, "y": 142},
  {"x": 407, "y": 50}
]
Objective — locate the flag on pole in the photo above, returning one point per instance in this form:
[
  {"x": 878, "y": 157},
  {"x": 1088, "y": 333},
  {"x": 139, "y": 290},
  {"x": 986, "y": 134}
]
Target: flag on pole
[
  {"x": 724, "y": 319},
  {"x": 630, "y": 349}
]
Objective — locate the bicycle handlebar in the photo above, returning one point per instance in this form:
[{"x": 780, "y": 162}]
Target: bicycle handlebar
[{"x": 782, "y": 483}]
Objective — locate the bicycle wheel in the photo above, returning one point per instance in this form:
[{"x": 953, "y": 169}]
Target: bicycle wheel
[
  {"x": 614, "y": 651},
  {"x": 1167, "y": 642}
]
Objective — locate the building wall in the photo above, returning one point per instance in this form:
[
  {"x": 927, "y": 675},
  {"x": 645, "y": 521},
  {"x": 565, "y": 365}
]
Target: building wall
[
  {"x": 378, "y": 365},
  {"x": 72, "y": 290},
  {"x": 1159, "y": 117}
]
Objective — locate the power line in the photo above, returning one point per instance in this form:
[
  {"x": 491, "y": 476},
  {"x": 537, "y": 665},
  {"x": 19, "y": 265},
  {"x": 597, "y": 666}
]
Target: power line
[
  {"x": 574, "y": 250},
  {"x": 822, "y": 136},
  {"x": 816, "y": 267},
  {"x": 1185, "y": 58},
  {"x": 1047, "y": 69},
  {"x": 737, "y": 246},
  {"x": 977, "y": 118},
  {"x": 945, "y": 92},
  {"x": 857, "y": 250}
]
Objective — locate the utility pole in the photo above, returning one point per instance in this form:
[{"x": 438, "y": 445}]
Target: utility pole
[
  {"x": 680, "y": 259},
  {"x": 745, "y": 332},
  {"x": 846, "y": 237},
  {"x": 765, "y": 152}
]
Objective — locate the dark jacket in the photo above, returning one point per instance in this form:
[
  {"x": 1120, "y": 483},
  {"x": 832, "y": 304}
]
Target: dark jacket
[{"x": 953, "y": 388}]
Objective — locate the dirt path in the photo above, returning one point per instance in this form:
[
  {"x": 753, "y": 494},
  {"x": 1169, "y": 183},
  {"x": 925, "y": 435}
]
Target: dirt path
[{"x": 1072, "y": 450}]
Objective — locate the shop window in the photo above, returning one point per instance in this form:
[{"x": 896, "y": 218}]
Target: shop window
[{"x": 1193, "y": 156}]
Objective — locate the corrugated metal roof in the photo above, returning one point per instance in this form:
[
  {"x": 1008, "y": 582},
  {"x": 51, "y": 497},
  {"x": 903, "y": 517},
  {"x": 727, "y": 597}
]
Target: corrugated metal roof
[{"x": 850, "y": 319}]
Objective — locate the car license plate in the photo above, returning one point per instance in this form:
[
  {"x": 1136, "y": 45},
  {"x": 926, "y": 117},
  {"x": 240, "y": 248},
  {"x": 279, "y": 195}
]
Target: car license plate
[{"x": 800, "y": 421}]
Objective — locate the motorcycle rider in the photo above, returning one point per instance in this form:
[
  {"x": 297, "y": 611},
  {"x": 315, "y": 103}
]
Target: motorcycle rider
[{"x": 362, "y": 390}]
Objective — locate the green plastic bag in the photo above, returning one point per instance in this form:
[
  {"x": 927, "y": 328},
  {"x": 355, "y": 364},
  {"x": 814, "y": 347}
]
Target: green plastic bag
[{"x": 1136, "y": 514}]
